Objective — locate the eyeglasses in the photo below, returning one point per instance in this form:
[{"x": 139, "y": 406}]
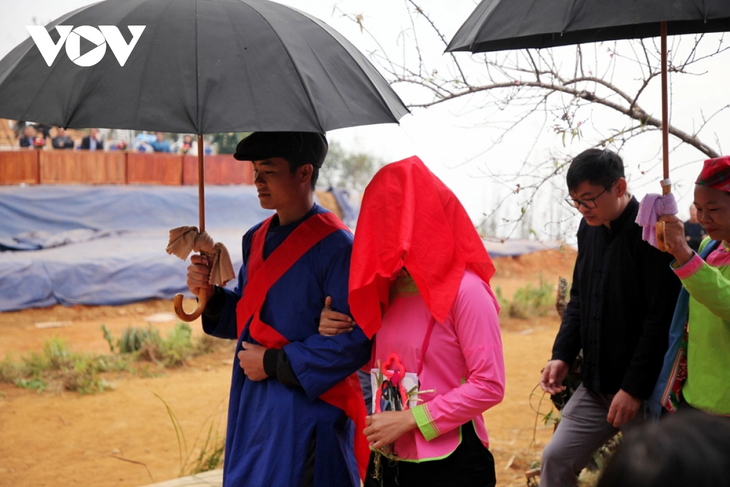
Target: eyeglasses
[{"x": 589, "y": 203}]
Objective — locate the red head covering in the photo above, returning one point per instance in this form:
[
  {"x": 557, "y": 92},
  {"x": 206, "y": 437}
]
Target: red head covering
[
  {"x": 408, "y": 217},
  {"x": 716, "y": 174}
]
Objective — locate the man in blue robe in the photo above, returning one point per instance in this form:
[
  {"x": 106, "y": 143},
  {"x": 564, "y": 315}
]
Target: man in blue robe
[{"x": 290, "y": 416}]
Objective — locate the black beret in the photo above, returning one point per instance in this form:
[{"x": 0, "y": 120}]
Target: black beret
[{"x": 298, "y": 148}]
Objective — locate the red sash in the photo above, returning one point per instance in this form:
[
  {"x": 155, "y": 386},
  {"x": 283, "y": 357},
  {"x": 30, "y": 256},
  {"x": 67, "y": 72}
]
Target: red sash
[{"x": 261, "y": 275}]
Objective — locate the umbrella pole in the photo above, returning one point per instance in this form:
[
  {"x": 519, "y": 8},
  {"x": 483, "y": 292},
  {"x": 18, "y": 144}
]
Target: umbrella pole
[
  {"x": 201, "y": 184},
  {"x": 203, "y": 296},
  {"x": 666, "y": 186},
  {"x": 666, "y": 183}
]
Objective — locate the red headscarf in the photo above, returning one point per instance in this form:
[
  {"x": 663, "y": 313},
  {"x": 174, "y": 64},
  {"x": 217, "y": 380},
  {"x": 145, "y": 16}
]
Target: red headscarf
[
  {"x": 408, "y": 217},
  {"x": 716, "y": 174}
]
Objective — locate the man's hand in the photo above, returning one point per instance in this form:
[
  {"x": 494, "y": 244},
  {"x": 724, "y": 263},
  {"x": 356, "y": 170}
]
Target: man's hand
[
  {"x": 251, "y": 360},
  {"x": 553, "y": 375},
  {"x": 675, "y": 239},
  {"x": 332, "y": 323},
  {"x": 386, "y": 427},
  {"x": 623, "y": 408},
  {"x": 198, "y": 272}
]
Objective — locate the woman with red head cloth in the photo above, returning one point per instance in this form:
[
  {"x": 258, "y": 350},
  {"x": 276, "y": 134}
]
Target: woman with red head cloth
[
  {"x": 419, "y": 278},
  {"x": 702, "y": 354}
]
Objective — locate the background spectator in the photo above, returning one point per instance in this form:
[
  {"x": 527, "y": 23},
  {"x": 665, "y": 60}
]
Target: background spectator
[
  {"x": 17, "y": 127},
  {"x": 61, "y": 140},
  {"x": 693, "y": 231},
  {"x": 160, "y": 144},
  {"x": 188, "y": 146},
  {"x": 93, "y": 141},
  {"x": 29, "y": 134}
]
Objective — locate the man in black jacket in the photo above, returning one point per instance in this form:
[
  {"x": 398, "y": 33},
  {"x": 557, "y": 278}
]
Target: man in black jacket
[
  {"x": 621, "y": 304},
  {"x": 93, "y": 141}
]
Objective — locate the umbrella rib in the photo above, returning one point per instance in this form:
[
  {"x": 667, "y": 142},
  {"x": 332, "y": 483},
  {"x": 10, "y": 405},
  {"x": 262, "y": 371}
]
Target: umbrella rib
[
  {"x": 65, "y": 118},
  {"x": 11, "y": 77},
  {"x": 296, "y": 68},
  {"x": 70, "y": 114},
  {"x": 328, "y": 30}
]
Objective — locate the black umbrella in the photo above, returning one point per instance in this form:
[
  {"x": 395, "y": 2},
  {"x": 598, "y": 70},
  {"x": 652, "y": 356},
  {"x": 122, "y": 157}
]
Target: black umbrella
[
  {"x": 497, "y": 25},
  {"x": 196, "y": 66}
]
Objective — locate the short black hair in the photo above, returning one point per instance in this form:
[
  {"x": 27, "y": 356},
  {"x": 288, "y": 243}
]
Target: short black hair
[{"x": 598, "y": 167}]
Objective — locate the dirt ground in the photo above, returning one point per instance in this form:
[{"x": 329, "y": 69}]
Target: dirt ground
[{"x": 125, "y": 437}]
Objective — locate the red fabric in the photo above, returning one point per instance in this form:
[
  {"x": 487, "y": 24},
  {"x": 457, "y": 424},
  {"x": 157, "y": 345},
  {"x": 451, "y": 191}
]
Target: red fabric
[
  {"x": 261, "y": 275},
  {"x": 408, "y": 217}
]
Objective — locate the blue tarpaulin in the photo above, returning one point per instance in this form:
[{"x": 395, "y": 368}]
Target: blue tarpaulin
[{"x": 106, "y": 244}]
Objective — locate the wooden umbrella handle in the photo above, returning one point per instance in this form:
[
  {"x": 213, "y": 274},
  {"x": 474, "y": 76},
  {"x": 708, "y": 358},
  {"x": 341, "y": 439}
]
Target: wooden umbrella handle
[
  {"x": 180, "y": 312},
  {"x": 203, "y": 296},
  {"x": 661, "y": 240}
]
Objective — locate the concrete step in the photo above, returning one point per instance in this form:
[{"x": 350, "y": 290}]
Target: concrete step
[{"x": 214, "y": 478}]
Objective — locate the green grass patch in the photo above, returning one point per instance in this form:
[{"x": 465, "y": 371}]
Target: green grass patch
[
  {"x": 141, "y": 351},
  {"x": 148, "y": 344},
  {"x": 532, "y": 301},
  {"x": 58, "y": 367}
]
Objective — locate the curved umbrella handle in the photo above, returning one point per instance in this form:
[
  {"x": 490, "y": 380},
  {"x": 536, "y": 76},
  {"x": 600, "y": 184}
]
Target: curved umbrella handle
[
  {"x": 180, "y": 312},
  {"x": 203, "y": 295}
]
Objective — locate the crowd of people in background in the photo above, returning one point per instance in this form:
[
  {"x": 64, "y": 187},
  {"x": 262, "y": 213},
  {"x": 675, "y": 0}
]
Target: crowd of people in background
[{"x": 30, "y": 135}]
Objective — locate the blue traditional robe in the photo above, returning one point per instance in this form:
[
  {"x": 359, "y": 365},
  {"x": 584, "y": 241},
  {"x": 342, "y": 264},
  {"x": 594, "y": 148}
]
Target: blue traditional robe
[{"x": 271, "y": 427}]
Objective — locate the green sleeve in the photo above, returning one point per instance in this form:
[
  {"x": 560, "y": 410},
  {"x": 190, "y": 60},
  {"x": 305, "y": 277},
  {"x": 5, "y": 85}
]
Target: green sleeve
[
  {"x": 709, "y": 287},
  {"x": 424, "y": 421}
]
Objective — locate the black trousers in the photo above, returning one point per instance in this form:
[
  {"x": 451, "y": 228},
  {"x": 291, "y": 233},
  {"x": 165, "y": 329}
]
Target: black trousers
[{"x": 471, "y": 465}]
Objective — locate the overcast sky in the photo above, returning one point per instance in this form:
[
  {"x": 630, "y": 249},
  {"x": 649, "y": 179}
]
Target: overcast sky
[{"x": 450, "y": 138}]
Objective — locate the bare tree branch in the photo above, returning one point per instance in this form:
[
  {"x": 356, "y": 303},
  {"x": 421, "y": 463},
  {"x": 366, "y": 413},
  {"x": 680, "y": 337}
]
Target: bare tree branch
[{"x": 565, "y": 91}]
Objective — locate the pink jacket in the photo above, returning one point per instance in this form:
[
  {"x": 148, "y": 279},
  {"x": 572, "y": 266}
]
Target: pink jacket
[{"x": 464, "y": 366}]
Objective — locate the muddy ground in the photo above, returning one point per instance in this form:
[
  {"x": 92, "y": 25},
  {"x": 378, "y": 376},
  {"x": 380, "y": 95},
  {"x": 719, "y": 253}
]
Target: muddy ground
[{"x": 125, "y": 436}]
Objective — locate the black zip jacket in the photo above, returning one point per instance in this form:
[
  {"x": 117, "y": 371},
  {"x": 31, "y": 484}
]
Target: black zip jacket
[{"x": 621, "y": 303}]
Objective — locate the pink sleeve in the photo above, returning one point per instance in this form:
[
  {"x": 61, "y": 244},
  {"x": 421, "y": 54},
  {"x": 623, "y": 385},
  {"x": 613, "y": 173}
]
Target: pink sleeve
[
  {"x": 690, "y": 267},
  {"x": 476, "y": 322}
]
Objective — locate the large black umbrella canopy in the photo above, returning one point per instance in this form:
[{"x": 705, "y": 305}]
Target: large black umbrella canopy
[
  {"x": 497, "y": 25},
  {"x": 200, "y": 66}
]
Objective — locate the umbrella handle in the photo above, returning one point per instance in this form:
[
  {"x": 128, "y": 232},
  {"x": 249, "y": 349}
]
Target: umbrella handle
[
  {"x": 180, "y": 312},
  {"x": 661, "y": 241},
  {"x": 203, "y": 296}
]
